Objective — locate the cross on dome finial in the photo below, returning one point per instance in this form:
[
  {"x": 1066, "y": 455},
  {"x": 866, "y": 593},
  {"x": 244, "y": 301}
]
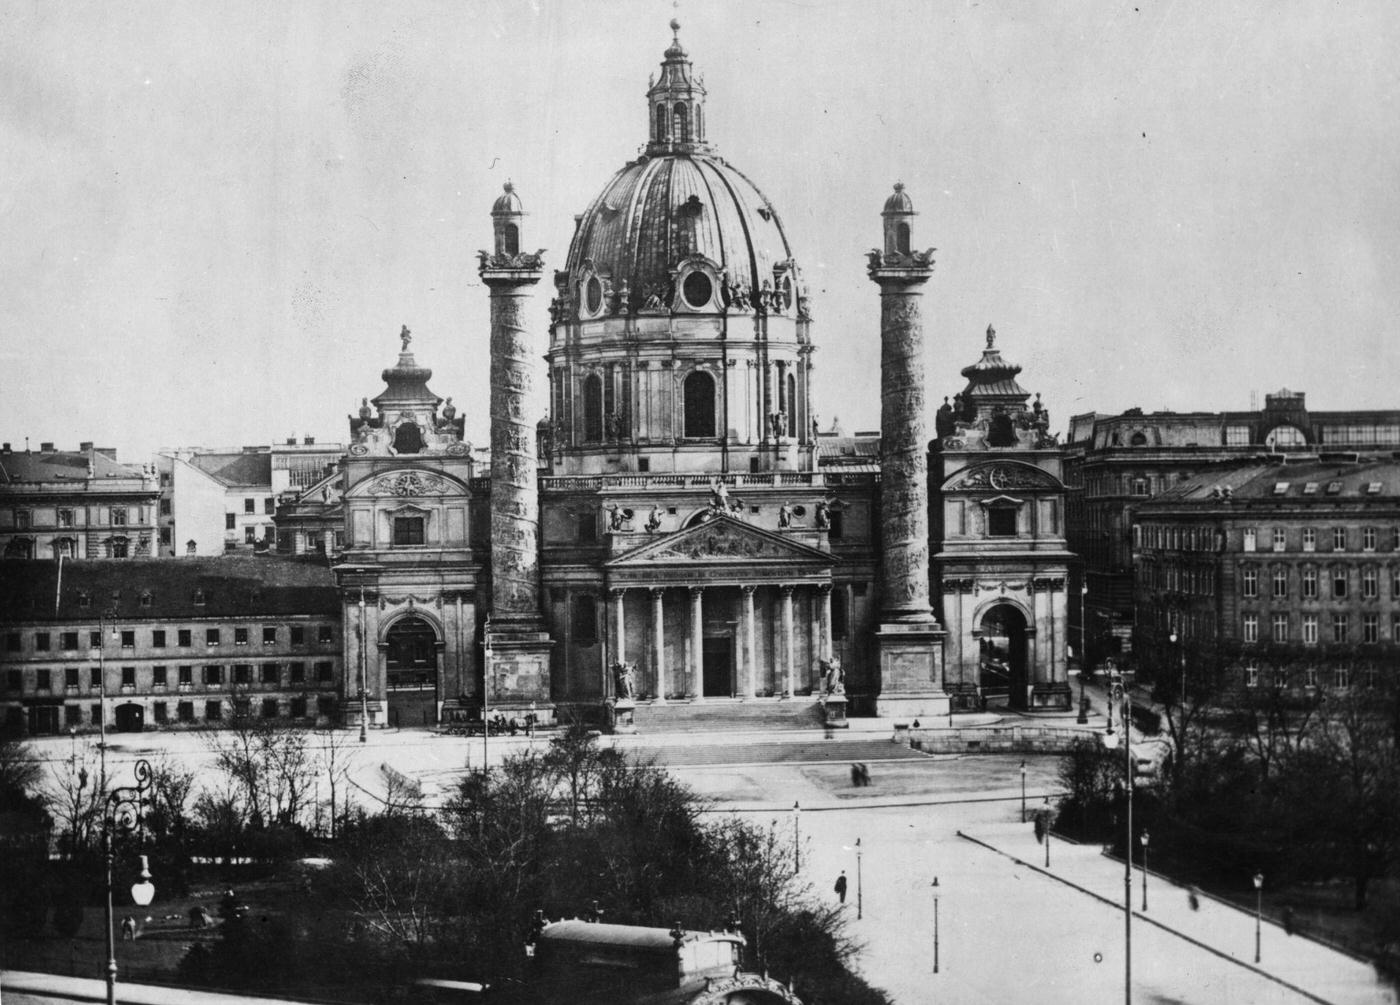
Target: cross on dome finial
[
  {"x": 991, "y": 337},
  {"x": 508, "y": 186},
  {"x": 899, "y": 186}
]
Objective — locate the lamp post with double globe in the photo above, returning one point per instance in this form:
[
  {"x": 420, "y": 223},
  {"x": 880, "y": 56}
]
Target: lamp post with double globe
[
  {"x": 1117, "y": 693},
  {"x": 124, "y": 813}
]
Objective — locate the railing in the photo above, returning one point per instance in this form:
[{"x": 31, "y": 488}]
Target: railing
[
  {"x": 992, "y": 739},
  {"x": 682, "y": 481}
]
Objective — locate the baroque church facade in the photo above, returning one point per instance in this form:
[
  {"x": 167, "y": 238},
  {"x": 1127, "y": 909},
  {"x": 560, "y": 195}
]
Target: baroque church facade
[{"x": 676, "y": 530}]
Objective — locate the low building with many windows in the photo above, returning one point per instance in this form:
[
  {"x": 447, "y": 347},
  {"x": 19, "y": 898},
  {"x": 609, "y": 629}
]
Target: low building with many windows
[
  {"x": 146, "y": 644},
  {"x": 1288, "y": 567},
  {"x": 78, "y": 503}
]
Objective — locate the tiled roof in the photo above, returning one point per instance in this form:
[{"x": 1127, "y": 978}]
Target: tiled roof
[
  {"x": 61, "y": 465},
  {"x": 1313, "y": 479},
  {"x": 230, "y": 586},
  {"x": 237, "y": 469}
]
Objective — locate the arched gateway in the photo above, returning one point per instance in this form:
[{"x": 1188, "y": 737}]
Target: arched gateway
[
  {"x": 411, "y": 669},
  {"x": 1002, "y": 658}
]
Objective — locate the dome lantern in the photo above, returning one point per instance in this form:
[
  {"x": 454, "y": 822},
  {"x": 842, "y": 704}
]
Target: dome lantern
[
  {"x": 507, "y": 212},
  {"x": 898, "y": 214},
  {"x": 676, "y": 104}
]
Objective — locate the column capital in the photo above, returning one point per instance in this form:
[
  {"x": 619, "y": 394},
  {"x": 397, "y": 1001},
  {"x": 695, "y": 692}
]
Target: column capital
[
  {"x": 787, "y": 589},
  {"x": 656, "y": 592},
  {"x": 696, "y": 592},
  {"x": 616, "y": 592},
  {"x": 748, "y": 590},
  {"x": 824, "y": 587}
]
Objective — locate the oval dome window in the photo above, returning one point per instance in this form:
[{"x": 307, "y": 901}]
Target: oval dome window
[
  {"x": 595, "y": 295},
  {"x": 698, "y": 290}
]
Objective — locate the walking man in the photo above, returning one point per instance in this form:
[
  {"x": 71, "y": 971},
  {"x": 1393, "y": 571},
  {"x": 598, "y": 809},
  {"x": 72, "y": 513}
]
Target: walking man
[{"x": 841, "y": 886}]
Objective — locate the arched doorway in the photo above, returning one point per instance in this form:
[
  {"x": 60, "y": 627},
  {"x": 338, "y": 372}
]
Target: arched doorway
[
  {"x": 131, "y": 718},
  {"x": 411, "y": 665},
  {"x": 1002, "y": 666}
]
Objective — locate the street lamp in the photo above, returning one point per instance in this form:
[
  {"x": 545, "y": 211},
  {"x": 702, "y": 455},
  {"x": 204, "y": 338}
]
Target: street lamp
[
  {"x": 486, "y": 699},
  {"x": 1046, "y": 810},
  {"x": 935, "y": 924},
  {"x": 796, "y": 837},
  {"x": 1023, "y": 792},
  {"x": 1117, "y": 693},
  {"x": 1143, "y": 839},
  {"x": 124, "y": 812},
  {"x": 1083, "y": 716},
  {"x": 364, "y": 673},
  {"x": 1258, "y": 910},
  {"x": 860, "y": 898}
]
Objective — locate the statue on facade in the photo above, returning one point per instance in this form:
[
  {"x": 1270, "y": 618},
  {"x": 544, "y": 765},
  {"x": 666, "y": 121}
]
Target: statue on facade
[
  {"x": 616, "y": 516},
  {"x": 625, "y": 678},
  {"x": 823, "y": 515},
  {"x": 405, "y": 336},
  {"x": 653, "y": 523},
  {"x": 943, "y": 423},
  {"x": 449, "y": 411},
  {"x": 719, "y": 495},
  {"x": 784, "y": 515},
  {"x": 834, "y": 679},
  {"x": 365, "y": 411}
]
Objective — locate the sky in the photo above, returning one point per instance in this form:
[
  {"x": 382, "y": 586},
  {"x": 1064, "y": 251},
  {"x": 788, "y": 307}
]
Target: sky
[{"x": 216, "y": 217}]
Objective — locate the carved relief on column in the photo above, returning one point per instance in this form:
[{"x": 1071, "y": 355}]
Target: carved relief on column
[
  {"x": 696, "y": 685},
  {"x": 658, "y": 638},
  {"x": 620, "y": 626},
  {"x": 750, "y": 670},
  {"x": 515, "y": 573},
  {"x": 787, "y": 640},
  {"x": 824, "y": 600}
]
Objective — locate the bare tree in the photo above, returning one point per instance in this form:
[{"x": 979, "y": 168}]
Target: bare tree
[
  {"x": 75, "y": 797},
  {"x": 335, "y": 760}
]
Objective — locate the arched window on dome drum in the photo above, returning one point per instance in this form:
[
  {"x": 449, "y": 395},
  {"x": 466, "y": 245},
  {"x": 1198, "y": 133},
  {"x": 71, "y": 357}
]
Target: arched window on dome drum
[
  {"x": 791, "y": 408},
  {"x": 699, "y": 405},
  {"x": 592, "y": 408},
  {"x": 901, "y": 238},
  {"x": 682, "y": 130},
  {"x": 660, "y": 123},
  {"x": 512, "y": 234},
  {"x": 700, "y": 123}
]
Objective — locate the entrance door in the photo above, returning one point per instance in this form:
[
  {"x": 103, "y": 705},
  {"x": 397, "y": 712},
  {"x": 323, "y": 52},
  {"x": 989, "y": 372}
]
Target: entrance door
[
  {"x": 1003, "y": 669},
  {"x": 719, "y": 667},
  {"x": 43, "y": 720},
  {"x": 411, "y": 663},
  {"x": 131, "y": 718}
]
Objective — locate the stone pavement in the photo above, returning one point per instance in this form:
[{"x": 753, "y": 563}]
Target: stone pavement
[
  {"x": 17, "y": 984},
  {"x": 1314, "y": 972}
]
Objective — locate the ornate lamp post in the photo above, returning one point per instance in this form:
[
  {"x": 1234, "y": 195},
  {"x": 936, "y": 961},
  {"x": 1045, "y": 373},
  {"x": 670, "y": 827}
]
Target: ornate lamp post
[
  {"x": 1143, "y": 839},
  {"x": 124, "y": 813},
  {"x": 797, "y": 836},
  {"x": 935, "y": 924},
  {"x": 1046, "y": 810},
  {"x": 1258, "y": 910},
  {"x": 1117, "y": 693},
  {"x": 486, "y": 699},
  {"x": 1023, "y": 792},
  {"x": 364, "y": 674},
  {"x": 860, "y": 898}
]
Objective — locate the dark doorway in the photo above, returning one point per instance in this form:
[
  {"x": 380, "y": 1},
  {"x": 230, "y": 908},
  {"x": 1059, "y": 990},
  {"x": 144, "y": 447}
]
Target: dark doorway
[
  {"x": 1002, "y": 659},
  {"x": 411, "y": 665},
  {"x": 43, "y": 720},
  {"x": 718, "y": 656},
  {"x": 131, "y": 718}
]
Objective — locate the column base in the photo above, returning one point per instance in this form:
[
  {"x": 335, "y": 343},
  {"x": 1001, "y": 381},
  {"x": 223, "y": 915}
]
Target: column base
[
  {"x": 353, "y": 713},
  {"x": 909, "y": 654},
  {"x": 1051, "y": 698},
  {"x": 518, "y": 668}
]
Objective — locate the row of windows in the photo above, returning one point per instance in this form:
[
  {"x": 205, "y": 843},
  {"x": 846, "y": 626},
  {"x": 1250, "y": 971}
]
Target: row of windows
[
  {"x": 211, "y": 675},
  {"x": 117, "y": 516},
  {"x": 251, "y": 506},
  {"x": 1340, "y": 538},
  {"x": 1339, "y": 628},
  {"x": 1341, "y": 677},
  {"x": 160, "y": 638},
  {"x": 1338, "y": 577},
  {"x": 268, "y": 708}
]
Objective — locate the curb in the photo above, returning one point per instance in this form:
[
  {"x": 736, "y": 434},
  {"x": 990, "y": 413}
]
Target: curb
[{"x": 1151, "y": 921}]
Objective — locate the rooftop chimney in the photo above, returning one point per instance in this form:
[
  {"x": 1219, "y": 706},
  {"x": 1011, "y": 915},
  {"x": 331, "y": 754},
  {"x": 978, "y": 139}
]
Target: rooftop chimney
[
  {"x": 46, "y": 448},
  {"x": 291, "y": 441},
  {"x": 308, "y": 441},
  {"x": 85, "y": 445}
]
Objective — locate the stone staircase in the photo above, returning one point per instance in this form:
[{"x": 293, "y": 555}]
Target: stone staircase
[{"x": 729, "y": 714}]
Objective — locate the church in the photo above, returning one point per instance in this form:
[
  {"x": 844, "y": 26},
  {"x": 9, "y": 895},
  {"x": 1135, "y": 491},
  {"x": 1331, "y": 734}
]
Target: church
[{"x": 678, "y": 532}]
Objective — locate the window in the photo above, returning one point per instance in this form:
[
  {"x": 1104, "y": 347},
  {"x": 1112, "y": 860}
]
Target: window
[
  {"x": 296, "y": 672},
  {"x": 593, "y": 408},
  {"x": 1339, "y": 582},
  {"x": 1395, "y": 585},
  {"x": 199, "y": 598},
  {"x": 213, "y": 710},
  {"x": 1251, "y": 628},
  {"x": 1251, "y": 676},
  {"x": 1310, "y": 677},
  {"x": 118, "y": 516},
  {"x": 1280, "y": 539},
  {"x": 94, "y": 640},
  {"x": 1339, "y": 539},
  {"x": 1368, "y": 539},
  {"x": 70, "y": 679},
  {"x": 1341, "y": 677},
  {"x": 230, "y": 521},
  {"x": 584, "y": 620},
  {"x": 324, "y": 635},
  {"x": 240, "y": 636},
  {"x": 43, "y": 679},
  {"x": 1250, "y": 538},
  {"x": 1370, "y": 629},
  {"x": 158, "y": 638},
  {"x": 1310, "y": 539},
  {"x": 587, "y": 527},
  {"x": 120, "y": 547},
  {"x": 65, "y": 518},
  {"x": 184, "y": 711},
  {"x": 1280, "y": 628},
  {"x": 164, "y": 507},
  {"x": 250, "y": 535},
  {"x": 183, "y": 638},
  {"x": 1250, "y": 584},
  {"x": 1310, "y": 629},
  {"x": 269, "y": 708},
  {"x": 1309, "y": 584},
  {"x": 1370, "y": 583},
  {"x": 298, "y": 708},
  {"x": 1280, "y": 679},
  {"x": 269, "y": 635},
  {"x": 160, "y": 712},
  {"x": 14, "y": 680},
  {"x": 325, "y": 672},
  {"x": 41, "y": 642},
  {"x": 129, "y": 640},
  {"x": 270, "y": 673},
  {"x": 145, "y": 599},
  {"x": 298, "y": 635},
  {"x": 1139, "y": 487},
  {"x": 128, "y": 677},
  {"x": 187, "y": 675},
  {"x": 1341, "y": 623},
  {"x": 158, "y": 676},
  {"x": 242, "y": 673},
  {"x": 700, "y": 405},
  {"x": 12, "y": 644},
  {"x": 1001, "y": 521},
  {"x": 68, "y": 641},
  {"x": 213, "y": 675},
  {"x": 408, "y": 530},
  {"x": 211, "y": 637},
  {"x": 269, "y": 505},
  {"x": 325, "y": 707},
  {"x": 94, "y": 678},
  {"x": 250, "y": 505}
]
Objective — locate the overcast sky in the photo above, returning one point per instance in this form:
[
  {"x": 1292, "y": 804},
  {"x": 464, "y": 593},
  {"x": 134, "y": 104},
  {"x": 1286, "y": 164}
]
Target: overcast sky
[{"x": 217, "y": 216}]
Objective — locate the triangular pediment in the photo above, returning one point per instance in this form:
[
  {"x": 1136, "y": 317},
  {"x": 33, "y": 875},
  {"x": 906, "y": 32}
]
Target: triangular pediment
[
  {"x": 723, "y": 540},
  {"x": 1001, "y": 476}
]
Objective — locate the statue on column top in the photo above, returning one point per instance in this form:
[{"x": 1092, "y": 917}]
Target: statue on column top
[{"x": 405, "y": 336}]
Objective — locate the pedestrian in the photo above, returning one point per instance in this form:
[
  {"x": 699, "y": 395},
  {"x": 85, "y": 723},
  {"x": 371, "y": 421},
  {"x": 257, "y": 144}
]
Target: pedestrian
[
  {"x": 1288, "y": 922},
  {"x": 1193, "y": 897},
  {"x": 864, "y": 774},
  {"x": 841, "y": 886},
  {"x": 128, "y": 928},
  {"x": 855, "y": 775}
]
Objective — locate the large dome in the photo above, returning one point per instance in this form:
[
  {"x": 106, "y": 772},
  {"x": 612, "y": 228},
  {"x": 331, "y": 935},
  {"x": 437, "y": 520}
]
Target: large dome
[{"x": 658, "y": 211}]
